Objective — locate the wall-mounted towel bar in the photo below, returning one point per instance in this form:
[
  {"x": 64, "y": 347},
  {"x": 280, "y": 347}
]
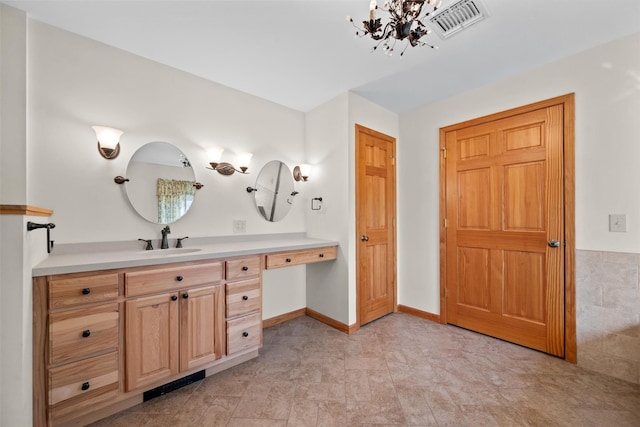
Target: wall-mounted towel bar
[{"x": 34, "y": 226}]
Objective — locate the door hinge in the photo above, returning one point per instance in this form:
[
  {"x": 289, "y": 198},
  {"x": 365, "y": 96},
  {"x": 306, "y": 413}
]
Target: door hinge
[
  {"x": 393, "y": 160},
  {"x": 446, "y": 223},
  {"x": 444, "y": 151}
]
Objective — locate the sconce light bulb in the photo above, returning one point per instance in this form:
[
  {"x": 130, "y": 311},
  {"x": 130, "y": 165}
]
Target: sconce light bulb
[
  {"x": 305, "y": 171},
  {"x": 243, "y": 161},
  {"x": 108, "y": 137},
  {"x": 214, "y": 154}
]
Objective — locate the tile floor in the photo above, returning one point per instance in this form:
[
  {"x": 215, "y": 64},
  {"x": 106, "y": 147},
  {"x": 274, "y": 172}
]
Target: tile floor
[{"x": 399, "y": 370}]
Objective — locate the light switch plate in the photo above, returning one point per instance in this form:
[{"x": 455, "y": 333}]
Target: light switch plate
[{"x": 618, "y": 222}]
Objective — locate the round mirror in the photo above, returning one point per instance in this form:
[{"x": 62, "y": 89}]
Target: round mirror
[
  {"x": 161, "y": 183},
  {"x": 274, "y": 191}
]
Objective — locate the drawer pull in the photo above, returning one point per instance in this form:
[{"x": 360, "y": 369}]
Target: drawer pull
[
  {"x": 185, "y": 295},
  {"x": 245, "y": 268},
  {"x": 245, "y": 297},
  {"x": 86, "y": 333},
  {"x": 245, "y": 334},
  {"x": 85, "y": 386},
  {"x": 321, "y": 255},
  {"x": 288, "y": 260},
  {"x": 179, "y": 278},
  {"x": 174, "y": 298},
  {"x": 86, "y": 291}
]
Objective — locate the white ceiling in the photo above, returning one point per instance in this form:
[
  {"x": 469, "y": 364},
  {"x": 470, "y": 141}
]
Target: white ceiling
[{"x": 301, "y": 53}]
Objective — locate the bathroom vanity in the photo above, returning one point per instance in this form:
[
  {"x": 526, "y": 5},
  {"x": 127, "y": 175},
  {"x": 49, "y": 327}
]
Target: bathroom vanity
[{"x": 113, "y": 326}]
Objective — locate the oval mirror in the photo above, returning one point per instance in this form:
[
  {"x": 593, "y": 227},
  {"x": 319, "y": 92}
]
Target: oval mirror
[
  {"x": 161, "y": 182},
  {"x": 274, "y": 191}
]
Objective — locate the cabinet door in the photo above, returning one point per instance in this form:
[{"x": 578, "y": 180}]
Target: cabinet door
[
  {"x": 201, "y": 326},
  {"x": 151, "y": 339}
]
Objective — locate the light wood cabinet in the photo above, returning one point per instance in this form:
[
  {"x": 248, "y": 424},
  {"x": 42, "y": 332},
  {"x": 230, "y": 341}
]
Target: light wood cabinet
[
  {"x": 201, "y": 326},
  {"x": 172, "y": 332},
  {"x": 151, "y": 337},
  {"x": 244, "y": 304},
  {"x": 307, "y": 256},
  {"x": 76, "y": 345},
  {"x": 102, "y": 339}
]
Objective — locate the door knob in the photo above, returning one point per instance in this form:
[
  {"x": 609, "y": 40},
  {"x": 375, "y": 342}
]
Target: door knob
[
  {"x": 364, "y": 238},
  {"x": 554, "y": 244}
]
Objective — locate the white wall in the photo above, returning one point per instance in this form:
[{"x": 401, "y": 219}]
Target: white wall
[
  {"x": 330, "y": 145},
  {"x": 606, "y": 82},
  {"x": 75, "y": 83},
  {"x": 327, "y": 149},
  {"x": 15, "y": 273}
]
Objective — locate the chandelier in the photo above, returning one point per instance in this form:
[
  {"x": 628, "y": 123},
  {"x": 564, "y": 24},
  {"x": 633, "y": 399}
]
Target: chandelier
[{"x": 403, "y": 14}]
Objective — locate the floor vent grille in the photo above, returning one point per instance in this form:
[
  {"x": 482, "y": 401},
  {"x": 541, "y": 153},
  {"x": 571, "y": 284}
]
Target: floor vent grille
[
  {"x": 460, "y": 15},
  {"x": 174, "y": 385}
]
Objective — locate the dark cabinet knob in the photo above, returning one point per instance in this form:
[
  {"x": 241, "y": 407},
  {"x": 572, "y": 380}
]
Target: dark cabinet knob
[
  {"x": 86, "y": 333},
  {"x": 174, "y": 298},
  {"x": 179, "y": 278},
  {"x": 85, "y": 386},
  {"x": 245, "y": 334},
  {"x": 245, "y": 297},
  {"x": 288, "y": 260},
  {"x": 185, "y": 295},
  {"x": 321, "y": 255},
  {"x": 86, "y": 291},
  {"x": 245, "y": 268}
]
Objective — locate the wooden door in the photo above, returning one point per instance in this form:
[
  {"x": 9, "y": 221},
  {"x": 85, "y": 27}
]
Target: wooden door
[
  {"x": 375, "y": 224},
  {"x": 151, "y": 338},
  {"x": 201, "y": 326},
  {"x": 505, "y": 228}
]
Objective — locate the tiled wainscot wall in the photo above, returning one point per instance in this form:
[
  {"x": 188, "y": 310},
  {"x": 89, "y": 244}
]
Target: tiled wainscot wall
[{"x": 608, "y": 313}]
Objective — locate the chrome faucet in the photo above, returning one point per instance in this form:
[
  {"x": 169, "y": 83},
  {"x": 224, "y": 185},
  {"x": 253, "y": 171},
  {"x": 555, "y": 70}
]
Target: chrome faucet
[{"x": 165, "y": 241}]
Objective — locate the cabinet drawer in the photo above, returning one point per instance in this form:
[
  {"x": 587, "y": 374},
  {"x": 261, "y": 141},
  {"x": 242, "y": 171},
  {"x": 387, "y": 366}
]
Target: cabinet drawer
[
  {"x": 244, "y": 332},
  {"x": 84, "y": 384},
  {"x": 67, "y": 292},
  {"x": 171, "y": 278},
  {"x": 243, "y": 267},
  {"x": 306, "y": 256},
  {"x": 243, "y": 297},
  {"x": 81, "y": 332}
]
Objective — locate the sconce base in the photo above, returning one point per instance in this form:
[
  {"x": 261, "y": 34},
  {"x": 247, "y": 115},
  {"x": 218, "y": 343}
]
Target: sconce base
[
  {"x": 109, "y": 153},
  {"x": 225, "y": 168},
  {"x": 297, "y": 174}
]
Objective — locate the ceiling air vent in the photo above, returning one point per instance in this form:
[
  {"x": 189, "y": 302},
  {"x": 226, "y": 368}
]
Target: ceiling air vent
[{"x": 460, "y": 15}]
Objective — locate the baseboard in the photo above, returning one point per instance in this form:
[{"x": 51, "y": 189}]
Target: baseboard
[
  {"x": 347, "y": 329},
  {"x": 283, "y": 318},
  {"x": 420, "y": 313},
  {"x": 332, "y": 322}
]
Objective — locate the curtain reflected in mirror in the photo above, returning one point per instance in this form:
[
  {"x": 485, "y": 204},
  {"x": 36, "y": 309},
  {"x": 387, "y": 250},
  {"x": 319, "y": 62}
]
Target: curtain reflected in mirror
[{"x": 174, "y": 199}]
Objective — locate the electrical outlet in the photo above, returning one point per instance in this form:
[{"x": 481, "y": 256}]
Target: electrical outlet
[
  {"x": 239, "y": 226},
  {"x": 618, "y": 222}
]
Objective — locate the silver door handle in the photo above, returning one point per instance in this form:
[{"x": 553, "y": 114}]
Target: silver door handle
[
  {"x": 364, "y": 238},
  {"x": 554, "y": 244}
]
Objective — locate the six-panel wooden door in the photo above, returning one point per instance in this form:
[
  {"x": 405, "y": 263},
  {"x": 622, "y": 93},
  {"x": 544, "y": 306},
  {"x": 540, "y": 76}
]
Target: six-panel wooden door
[
  {"x": 375, "y": 224},
  {"x": 505, "y": 230}
]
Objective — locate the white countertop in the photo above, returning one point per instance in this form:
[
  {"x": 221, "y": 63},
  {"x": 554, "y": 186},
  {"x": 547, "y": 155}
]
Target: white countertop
[{"x": 74, "y": 258}]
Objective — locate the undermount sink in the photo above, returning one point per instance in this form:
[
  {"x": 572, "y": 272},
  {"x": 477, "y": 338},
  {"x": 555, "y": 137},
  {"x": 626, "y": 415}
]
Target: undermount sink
[{"x": 168, "y": 252}]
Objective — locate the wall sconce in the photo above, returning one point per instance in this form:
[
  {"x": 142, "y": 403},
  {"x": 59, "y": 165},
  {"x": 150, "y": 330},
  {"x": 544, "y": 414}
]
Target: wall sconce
[
  {"x": 108, "y": 141},
  {"x": 302, "y": 172},
  {"x": 224, "y": 168}
]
